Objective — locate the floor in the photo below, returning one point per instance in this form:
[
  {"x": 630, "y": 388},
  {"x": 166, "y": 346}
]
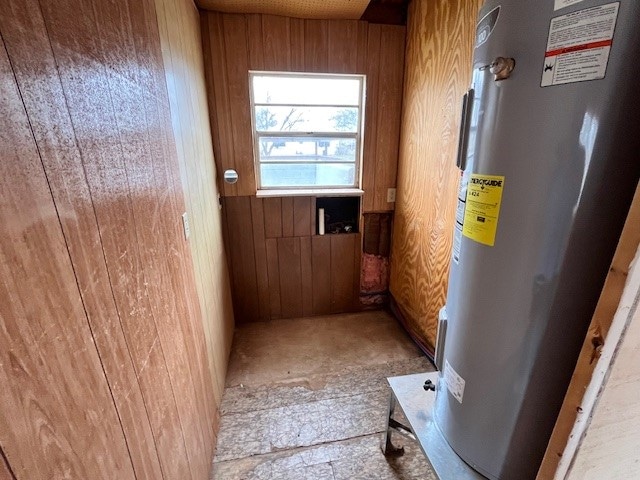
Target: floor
[{"x": 306, "y": 399}]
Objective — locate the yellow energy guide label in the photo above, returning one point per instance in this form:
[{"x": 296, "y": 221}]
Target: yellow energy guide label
[{"x": 484, "y": 195}]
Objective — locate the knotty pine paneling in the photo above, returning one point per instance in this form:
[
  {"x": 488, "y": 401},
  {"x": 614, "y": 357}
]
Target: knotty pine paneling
[
  {"x": 237, "y": 43},
  {"x": 55, "y": 420},
  {"x": 437, "y": 73},
  {"x": 107, "y": 92},
  {"x": 290, "y": 272}
]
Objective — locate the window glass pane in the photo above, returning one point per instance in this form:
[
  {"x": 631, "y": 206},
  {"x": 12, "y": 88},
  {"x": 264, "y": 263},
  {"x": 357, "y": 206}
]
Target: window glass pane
[
  {"x": 291, "y": 90},
  {"x": 306, "y": 119},
  {"x": 307, "y": 175},
  {"x": 306, "y": 149}
]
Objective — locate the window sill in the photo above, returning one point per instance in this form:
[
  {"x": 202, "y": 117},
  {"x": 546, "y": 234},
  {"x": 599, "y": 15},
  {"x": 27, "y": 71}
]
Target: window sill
[{"x": 311, "y": 192}]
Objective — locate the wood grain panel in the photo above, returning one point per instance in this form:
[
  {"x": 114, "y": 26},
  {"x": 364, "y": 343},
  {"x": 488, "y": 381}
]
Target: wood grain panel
[
  {"x": 290, "y": 277},
  {"x": 182, "y": 52},
  {"x": 38, "y": 78},
  {"x": 273, "y": 217},
  {"x": 306, "y": 272},
  {"x": 284, "y": 44},
  {"x": 389, "y": 105},
  {"x": 595, "y": 339},
  {"x": 321, "y": 265},
  {"x": 49, "y": 366},
  {"x": 277, "y": 43},
  {"x": 259, "y": 246},
  {"x": 437, "y": 71},
  {"x": 235, "y": 40},
  {"x": 316, "y": 46},
  {"x": 303, "y": 226},
  {"x": 371, "y": 118},
  {"x": 219, "y": 105},
  {"x": 273, "y": 269},
  {"x": 343, "y": 46},
  {"x": 241, "y": 247},
  {"x": 342, "y": 272},
  {"x": 287, "y": 217}
]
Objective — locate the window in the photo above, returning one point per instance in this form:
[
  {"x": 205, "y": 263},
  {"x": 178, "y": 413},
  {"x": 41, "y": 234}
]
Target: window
[{"x": 307, "y": 130}]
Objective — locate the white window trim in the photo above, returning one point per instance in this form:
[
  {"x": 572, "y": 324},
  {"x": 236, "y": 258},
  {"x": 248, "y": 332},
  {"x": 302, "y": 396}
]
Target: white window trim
[{"x": 359, "y": 137}]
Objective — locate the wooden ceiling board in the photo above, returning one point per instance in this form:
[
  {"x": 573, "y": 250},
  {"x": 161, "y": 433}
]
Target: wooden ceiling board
[{"x": 318, "y": 9}]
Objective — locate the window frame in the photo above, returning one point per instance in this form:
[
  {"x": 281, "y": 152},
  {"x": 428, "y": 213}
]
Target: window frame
[{"x": 358, "y": 135}]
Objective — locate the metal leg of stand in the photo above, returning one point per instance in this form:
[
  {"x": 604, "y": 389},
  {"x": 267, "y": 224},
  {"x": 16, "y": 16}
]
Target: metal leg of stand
[{"x": 387, "y": 447}]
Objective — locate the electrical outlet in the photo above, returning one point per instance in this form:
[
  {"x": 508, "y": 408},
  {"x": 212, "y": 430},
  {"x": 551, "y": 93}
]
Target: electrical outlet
[
  {"x": 185, "y": 225},
  {"x": 391, "y": 195}
]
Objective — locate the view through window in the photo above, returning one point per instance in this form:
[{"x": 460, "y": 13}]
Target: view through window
[{"x": 307, "y": 129}]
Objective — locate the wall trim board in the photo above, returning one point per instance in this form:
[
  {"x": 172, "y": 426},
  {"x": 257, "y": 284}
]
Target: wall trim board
[{"x": 615, "y": 366}]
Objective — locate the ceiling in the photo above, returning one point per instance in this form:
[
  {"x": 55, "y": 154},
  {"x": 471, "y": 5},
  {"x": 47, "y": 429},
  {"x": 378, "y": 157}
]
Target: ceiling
[
  {"x": 374, "y": 11},
  {"x": 350, "y": 9}
]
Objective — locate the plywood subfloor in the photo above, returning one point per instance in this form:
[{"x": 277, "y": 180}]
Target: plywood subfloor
[{"x": 307, "y": 398}]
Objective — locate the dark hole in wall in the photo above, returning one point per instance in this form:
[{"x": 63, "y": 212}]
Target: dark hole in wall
[
  {"x": 374, "y": 277},
  {"x": 340, "y": 214}
]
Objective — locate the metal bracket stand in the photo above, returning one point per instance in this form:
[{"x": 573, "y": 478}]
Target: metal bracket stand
[{"x": 415, "y": 396}]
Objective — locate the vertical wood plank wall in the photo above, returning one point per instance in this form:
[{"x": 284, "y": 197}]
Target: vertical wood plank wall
[
  {"x": 440, "y": 37},
  {"x": 180, "y": 36},
  {"x": 280, "y": 268},
  {"x": 270, "y": 242},
  {"x": 114, "y": 330},
  {"x": 237, "y": 43}
]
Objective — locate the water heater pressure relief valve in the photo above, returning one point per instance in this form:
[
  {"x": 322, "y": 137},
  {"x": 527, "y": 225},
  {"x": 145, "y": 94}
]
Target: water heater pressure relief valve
[{"x": 502, "y": 68}]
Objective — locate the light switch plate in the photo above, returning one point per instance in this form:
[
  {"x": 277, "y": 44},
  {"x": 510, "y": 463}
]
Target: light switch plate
[
  {"x": 391, "y": 195},
  {"x": 185, "y": 225}
]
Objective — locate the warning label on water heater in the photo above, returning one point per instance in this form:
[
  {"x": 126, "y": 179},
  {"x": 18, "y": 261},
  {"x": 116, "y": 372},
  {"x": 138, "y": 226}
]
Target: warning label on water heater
[
  {"x": 455, "y": 383},
  {"x": 484, "y": 195},
  {"x": 579, "y": 44}
]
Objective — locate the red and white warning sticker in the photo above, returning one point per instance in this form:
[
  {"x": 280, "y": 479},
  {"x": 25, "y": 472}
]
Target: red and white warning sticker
[{"x": 579, "y": 44}]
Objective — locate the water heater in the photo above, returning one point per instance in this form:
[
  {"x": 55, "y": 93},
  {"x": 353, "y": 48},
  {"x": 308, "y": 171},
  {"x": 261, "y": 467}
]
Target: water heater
[{"x": 550, "y": 157}]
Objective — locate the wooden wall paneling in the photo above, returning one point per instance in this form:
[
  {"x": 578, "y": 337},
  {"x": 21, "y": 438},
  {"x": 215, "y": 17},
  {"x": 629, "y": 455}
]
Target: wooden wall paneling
[
  {"x": 273, "y": 269},
  {"x": 595, "y": 339},
  {"x": 371, "y": 118},
  {"x": 363, "y": 33},
  {"x": 220, "y": 114},
  {"x": 437, "y": 72},
  {"x": 290, "y": 277},
  {"x": 255, "y": 45},
  {"x": 296, "y": 33},
  {"x": 178, "y": 22},
  {"x": 306, "y": 271},
  {"x": 259, "y": 245},
  {"x": 131, "y": 83},
  {"x": 316, "y": 46},
  {"x": 166, "y": 175},
  {"x": 273, "y": 217},
  {"x": 343, "y": 46},
  {"x": 113, "y": 191},
  {"x": 49, "y": 366},
  {"x": 303, "y": 226},
  {"x": 321, "y": 266},
  {"x": 35, "y": 70},
  {"x": 389, "y": 105},
  {"x": 235, "y": 39},
  {"x": 342, "y": 272},
  {"x": 276, "y": 39},
  {"x": 287, "y": 216},
  {"x": 241, "y": 243}
]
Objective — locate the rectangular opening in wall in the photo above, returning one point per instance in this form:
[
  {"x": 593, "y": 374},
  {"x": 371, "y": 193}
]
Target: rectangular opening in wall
[{"x": 340, "y": 215}]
